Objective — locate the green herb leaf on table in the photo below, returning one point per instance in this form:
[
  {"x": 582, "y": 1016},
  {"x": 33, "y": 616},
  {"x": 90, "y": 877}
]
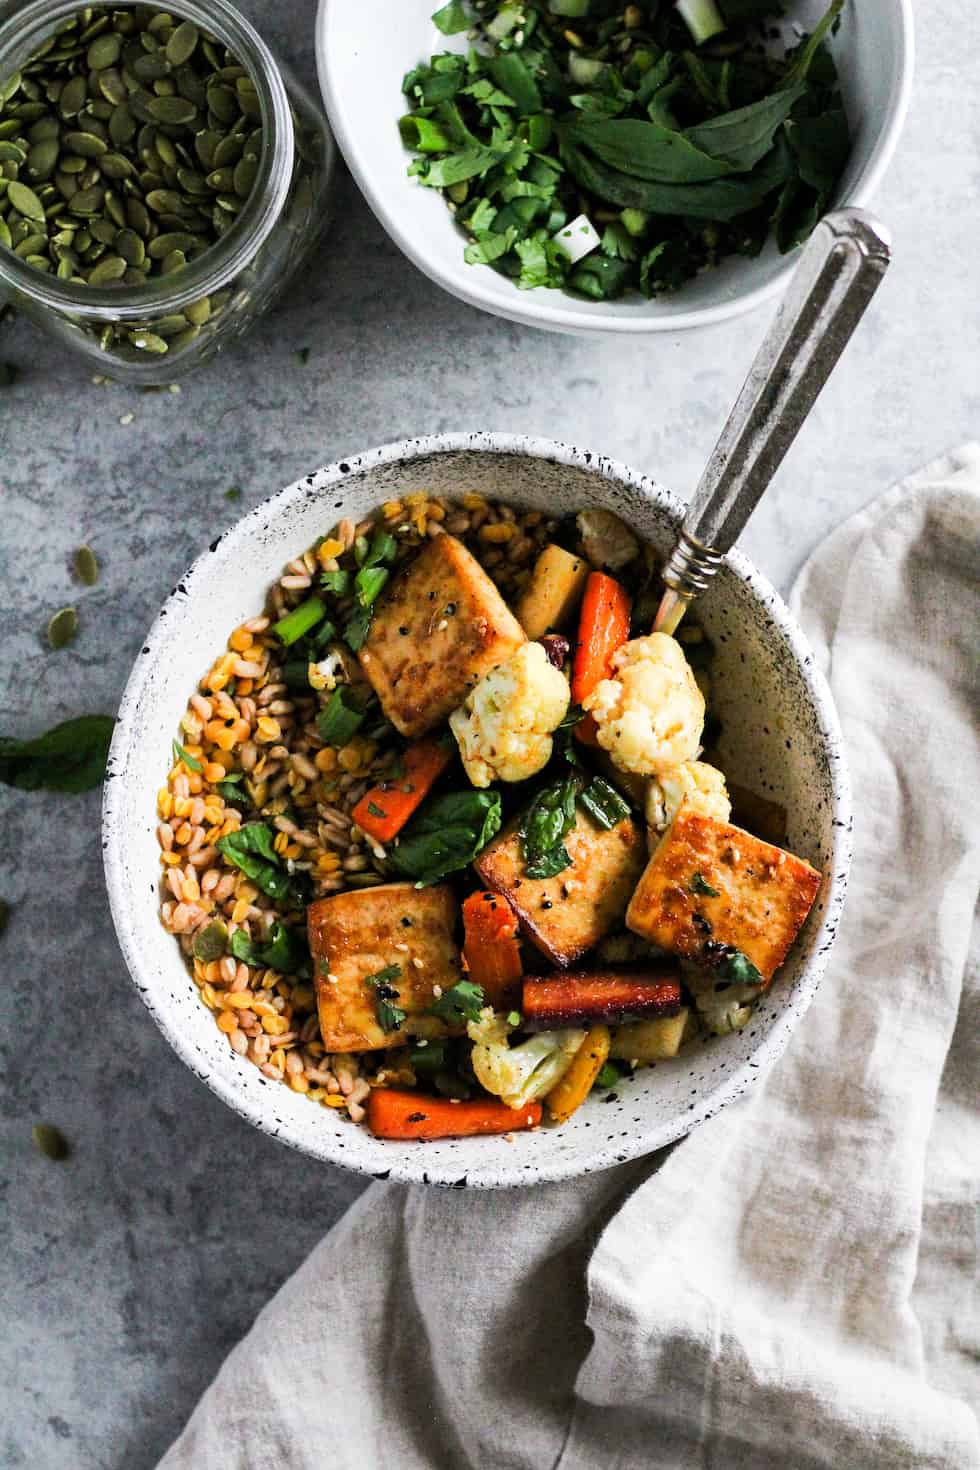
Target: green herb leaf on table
[
  {"x": 445, "y": 834},
  {"x": 461, "y": 1002},
  {"x": 71, "y": 757}
]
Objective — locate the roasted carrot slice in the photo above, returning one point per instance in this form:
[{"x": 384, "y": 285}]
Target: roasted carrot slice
[
  {"x": 570, "y": 1092},
  {"x": 383, "y": 811},
  {"x": 392, "y": 1113},
  {"x": 583, "y": 997},
  {"x": 491, "y": 948},
  {"x": 604, "y": 626}
]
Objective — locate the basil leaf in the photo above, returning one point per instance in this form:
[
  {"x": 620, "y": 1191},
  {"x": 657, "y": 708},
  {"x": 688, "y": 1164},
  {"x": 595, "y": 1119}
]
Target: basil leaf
[
  {"x": 283, "y": 951},
  {"x": 744, "y": 136},
  {"x": 645, "y": 150},
  {"x": 461, "y": 1002},
  {"x": 821, "y": 145},
  {"x": 721, "y": 199},
  {"x": 546, "y": 824},
  {"x": 70, "y": 757},
  {"x": 604, "y": 804},
  {"x": 190, "y": 761},
  {"x": 251, "y": 850},
  {"x": 342, "y": 717},
  {"x": 446, "y": 834}
]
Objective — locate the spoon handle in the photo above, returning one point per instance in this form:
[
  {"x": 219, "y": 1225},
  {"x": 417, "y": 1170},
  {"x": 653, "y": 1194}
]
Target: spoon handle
[{"x": 837, "y": 275}]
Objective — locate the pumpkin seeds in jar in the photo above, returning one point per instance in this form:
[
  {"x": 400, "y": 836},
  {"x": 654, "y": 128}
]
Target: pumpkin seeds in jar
[{"x": 107, "y": 137}]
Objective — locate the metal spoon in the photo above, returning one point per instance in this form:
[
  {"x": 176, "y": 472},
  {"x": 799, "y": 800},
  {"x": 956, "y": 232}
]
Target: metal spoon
[{"x": 838, "y": 273}]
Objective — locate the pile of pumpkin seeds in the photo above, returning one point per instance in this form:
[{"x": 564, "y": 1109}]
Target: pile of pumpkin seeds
[{"x": 129, "y": 143}]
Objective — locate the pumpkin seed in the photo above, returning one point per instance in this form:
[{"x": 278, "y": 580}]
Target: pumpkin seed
[
  {"x": 42, "y": 157},
  {"x": 86, "y": 566},
  {"x": 148, "y": 341},
  {"x": 50, "y": 1141},
  {"x": 172, "y": 110},
  {"x": 25, "y": 200},
  {"x": 182, "y": 43},
  {"x": 209, "y": 942},
  {"x": 86, "y": 145},
  {"x": 110, "y": 268},
  {"x": 73, "y": 96},
  {"x": 130, "y": 246},
  {"x": 104, "y": 51},
  {"x": 62, "y": 627}
]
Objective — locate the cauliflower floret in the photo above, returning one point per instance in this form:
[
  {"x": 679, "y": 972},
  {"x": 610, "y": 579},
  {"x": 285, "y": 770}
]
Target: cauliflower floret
[
  {"x": 727, "y": 1010},
  {"x": 606, "y": 541},
  {"x": 650, "y": 715},
  {"x": 504, "y": 728},
  {"x": 519, "y": 1074},
  {"x": 700, "y": 785}
]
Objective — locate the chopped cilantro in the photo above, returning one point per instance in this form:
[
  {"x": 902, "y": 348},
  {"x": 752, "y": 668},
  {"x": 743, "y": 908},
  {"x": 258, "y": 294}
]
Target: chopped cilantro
[
  {"x": 180, "y": 754},
  {"x": 389, "y": 1015},
  {"x": 462, "y": 1002},
  {"x": 699, "y": 885}
]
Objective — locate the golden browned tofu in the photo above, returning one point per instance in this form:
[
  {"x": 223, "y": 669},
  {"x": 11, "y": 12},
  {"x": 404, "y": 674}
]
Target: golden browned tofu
[
  {"x": 566, "y": 915},
  {"x": 436, "y": 631},
  {"x": 358, "y": 935},
  {"x": 709, "y": 884}
]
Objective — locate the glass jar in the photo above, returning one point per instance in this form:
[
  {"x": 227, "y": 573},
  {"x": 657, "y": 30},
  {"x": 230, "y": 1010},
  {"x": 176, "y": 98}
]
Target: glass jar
[{"x": 153, "y": 333}]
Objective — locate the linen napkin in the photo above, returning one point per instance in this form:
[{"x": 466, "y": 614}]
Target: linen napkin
[{"x": 789, "y": 1286}]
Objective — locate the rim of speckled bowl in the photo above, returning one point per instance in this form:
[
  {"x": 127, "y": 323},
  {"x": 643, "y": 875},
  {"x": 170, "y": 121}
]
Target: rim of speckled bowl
[{"x": 424, "y": 1168}]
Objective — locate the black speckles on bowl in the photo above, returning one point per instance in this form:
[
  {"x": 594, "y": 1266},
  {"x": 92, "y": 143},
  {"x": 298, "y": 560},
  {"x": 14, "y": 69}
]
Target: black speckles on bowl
[{"x": 779, "y": 736}]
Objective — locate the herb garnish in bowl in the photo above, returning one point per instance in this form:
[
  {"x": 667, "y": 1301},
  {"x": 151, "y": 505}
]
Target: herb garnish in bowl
[{"x": 601, "y": 148}]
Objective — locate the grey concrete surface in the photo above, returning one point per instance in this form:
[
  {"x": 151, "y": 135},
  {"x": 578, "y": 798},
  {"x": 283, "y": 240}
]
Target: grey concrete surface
[{"x": 129, "y": 1270}]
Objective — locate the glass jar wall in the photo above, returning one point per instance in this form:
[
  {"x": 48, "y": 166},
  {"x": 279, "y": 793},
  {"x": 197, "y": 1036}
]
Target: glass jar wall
[{"x": 152, "y": 203}]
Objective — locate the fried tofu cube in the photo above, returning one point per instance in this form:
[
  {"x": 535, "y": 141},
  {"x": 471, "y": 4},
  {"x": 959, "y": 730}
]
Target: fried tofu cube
[
  {"x": 566, "y": 915},
  {"x": 357, "y": 935},
  {"x": 710, "y": 885},
  {"x": 438, "y": 628}
]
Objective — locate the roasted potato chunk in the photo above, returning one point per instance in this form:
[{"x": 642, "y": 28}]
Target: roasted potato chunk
[
  {"x": 551, "y": 597},
  {"x": 710, "y": 885},
  {"x": 436, "y": 631},
  {"x": 357, "y": 935},
  {"x": 566, "y": 915}
]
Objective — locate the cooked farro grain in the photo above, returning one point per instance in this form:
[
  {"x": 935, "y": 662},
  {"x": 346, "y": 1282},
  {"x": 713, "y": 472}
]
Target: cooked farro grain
[{"x": 251, "y": 728}]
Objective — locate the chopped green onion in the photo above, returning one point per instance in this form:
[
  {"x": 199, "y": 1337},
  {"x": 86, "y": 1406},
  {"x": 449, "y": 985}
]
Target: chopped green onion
[
  {"x": 296, "y": 674},
  {"x": 368, "y": 584},
  {"x": 702, "y": 18},
  {"x": 340, "y": 721},
  {"x": 300, "y": 620},
  {"x": 428, "y": 1058},
  {"x": 609, "y": 1076},
  {"x": 382, "y": 548},
  {"x": 514, "y": 1018}
]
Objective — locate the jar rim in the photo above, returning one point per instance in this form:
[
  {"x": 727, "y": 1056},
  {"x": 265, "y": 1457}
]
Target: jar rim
[{"x": 221, "y": 262}]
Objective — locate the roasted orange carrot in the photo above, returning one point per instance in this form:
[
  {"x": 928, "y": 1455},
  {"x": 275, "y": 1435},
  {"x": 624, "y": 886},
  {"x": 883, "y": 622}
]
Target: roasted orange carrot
[
  {"x": 604, "y": 626},
  {"x": 580, "y": 998},
  {"x": 383, "y": 811},
  {"x": 491, "y": 947},
  {"x": 392, "y": 1113}
]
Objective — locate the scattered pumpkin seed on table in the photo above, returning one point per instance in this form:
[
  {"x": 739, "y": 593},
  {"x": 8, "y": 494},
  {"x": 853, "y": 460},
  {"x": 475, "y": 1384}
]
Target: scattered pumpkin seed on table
[
  {"x": 86, "y": 566},
  {"x": 129, "y": 143},
  {"x": 62, "y": 627},
  {"x": 50, "y": 1141}
]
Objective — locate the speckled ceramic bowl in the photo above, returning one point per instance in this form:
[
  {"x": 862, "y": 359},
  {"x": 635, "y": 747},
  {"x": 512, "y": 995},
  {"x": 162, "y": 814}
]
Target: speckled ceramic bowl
[{"x": 780, "y": 737}]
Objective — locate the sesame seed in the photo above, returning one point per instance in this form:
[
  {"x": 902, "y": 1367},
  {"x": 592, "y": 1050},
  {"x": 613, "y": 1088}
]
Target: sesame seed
[
  {"x": 442, "y": 625},
  {"x": 437, "y": 991},
  {"x": 417, "y": 962},
  {"x": 334, "y": 979},
  {"x": 126, "y": 418},
  {"x": 403, "y": 948}
]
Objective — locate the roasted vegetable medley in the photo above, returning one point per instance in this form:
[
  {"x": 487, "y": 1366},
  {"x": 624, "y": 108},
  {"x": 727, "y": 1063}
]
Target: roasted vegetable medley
[
  {"x": 441, "y": 839},
  {"x": 606, "y": 147}
]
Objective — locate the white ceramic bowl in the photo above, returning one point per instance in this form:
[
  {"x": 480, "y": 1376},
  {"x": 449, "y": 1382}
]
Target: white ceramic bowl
[
  {"x": 780, "y": 738},
  {"x": 365, "y": 47}
]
